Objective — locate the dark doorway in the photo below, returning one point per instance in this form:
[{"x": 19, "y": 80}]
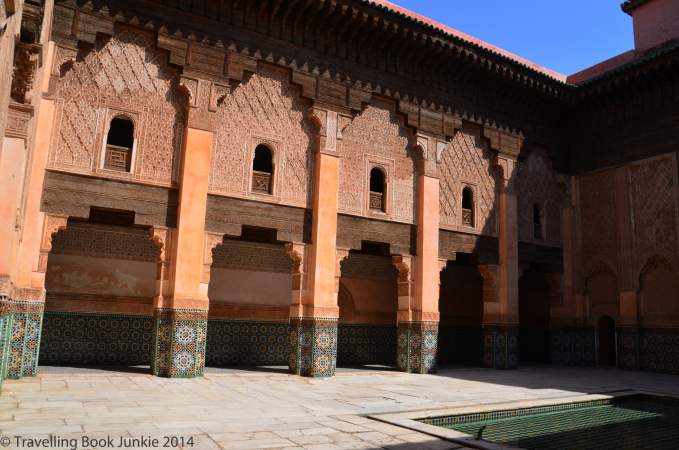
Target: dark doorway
[{"x": 606, "y": 327}]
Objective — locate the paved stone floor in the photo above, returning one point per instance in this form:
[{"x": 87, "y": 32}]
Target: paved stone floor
[{"x": 265, "y": 410}]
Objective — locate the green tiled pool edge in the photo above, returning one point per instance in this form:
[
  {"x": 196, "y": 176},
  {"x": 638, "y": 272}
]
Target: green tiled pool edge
[{"x": 423, "y": 421}]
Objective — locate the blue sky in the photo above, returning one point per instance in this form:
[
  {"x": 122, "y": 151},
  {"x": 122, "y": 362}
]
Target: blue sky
[{"x": 563, "y": 35}]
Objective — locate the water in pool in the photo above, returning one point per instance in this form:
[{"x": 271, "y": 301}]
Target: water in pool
[{"x": 634, "y": 422}]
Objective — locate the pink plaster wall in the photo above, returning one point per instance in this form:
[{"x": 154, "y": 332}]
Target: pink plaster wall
[
  {"x": 241, "y": 287},
  {"x": 369, "y": 295},
  {"x": 99, "y": 276},
  {"x": 655, "y": 22}
]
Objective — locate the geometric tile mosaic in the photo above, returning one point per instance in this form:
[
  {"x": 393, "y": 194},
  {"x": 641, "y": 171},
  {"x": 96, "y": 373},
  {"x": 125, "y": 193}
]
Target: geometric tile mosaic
[
  {"x": 366, "y": 344},
  {"x": 500, "y": 347},
  {"x": 313, "y": 343},
  {"x": 231, "y": 342},
  {"x": 179, "y": 350},
  {"x": 659, "y": 349},
  {"x": 96, "y": 339},
  {"x": 628, "y": 347},
  {"x": 460, "y": 345},
  {"x": 416, "y": 347},
  {"x": 572, "y": 346}
]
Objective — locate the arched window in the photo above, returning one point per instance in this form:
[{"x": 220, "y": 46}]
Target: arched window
[
  {"x": 467, "y": 207},
  {"x": 376, "y": 190},
  {"x": 119, "y": 144},
  {"x": 262, "y": 169},
  {"x": 537, "y": 222}
]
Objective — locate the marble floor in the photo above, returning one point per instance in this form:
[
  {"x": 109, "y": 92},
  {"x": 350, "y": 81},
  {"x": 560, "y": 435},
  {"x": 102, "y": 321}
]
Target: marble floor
[{"x": 270, "y": 410}]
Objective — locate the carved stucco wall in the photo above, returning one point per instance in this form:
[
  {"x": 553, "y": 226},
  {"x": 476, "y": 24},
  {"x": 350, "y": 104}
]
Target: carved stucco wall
[
  {"x": 121, "y": 75},
  {"x": 466, "y": 163},
  {"x": 263, "y": 109},
  {"x": 598, "y": 224},
  {"x": 257, "y": 256},
  {"x": 377, "y": 136},
  {"x": 654, "y": 211},
  {"x": 536, "y": 183}
]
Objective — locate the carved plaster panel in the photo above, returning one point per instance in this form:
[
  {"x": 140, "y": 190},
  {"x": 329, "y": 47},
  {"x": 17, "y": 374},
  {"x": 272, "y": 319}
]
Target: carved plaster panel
[
  {"x": 491, "y": 282},
  {"x": 254, "y": 256},
  {"x": 102, "y": 241},
  {"x": 18, "y": 118},
  {"x": 653, "y": 188},
  {"x": 537, "y": 183},
  {"x": 212, "y": 240},
  {"x": 52, "y": 225},
  {"x": 598, "y": 220},
  {"x": 467, "y": 163},
  {"x": 369, "y": 267},
  {"x": 263, "y": 105},
  {"x": 379, "y": 132},
  {"x": 122, "y": 72}
]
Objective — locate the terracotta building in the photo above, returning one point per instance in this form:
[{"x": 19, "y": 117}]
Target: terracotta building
[{"x": 323, "y": 182}]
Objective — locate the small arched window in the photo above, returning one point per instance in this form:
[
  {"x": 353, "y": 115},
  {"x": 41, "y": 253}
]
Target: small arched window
[
  {"x": 537, "y": 222},
  {"x": 467, "y": 207},
  {"x": 262, "y": 169},
  {"x": 120, "y": 145},
  {"x": 377, "y": 190}
]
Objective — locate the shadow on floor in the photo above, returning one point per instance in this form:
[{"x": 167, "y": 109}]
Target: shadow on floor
[
  {"x": 341, "y": 369},
  {"x": 92, "y": 368}
]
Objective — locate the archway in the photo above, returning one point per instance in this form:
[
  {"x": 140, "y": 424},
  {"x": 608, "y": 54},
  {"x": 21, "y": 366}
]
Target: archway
[
  {"x": 461, "y": 308},
  {"x": 534, "y": 311},
  {"x": 606, "y": 342},
  {"x": 368, "y": 306}
]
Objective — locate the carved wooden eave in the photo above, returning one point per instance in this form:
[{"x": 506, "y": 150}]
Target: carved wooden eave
[
  {"x": 649, "y": 82},
  {"x": 438, "y": 80}
]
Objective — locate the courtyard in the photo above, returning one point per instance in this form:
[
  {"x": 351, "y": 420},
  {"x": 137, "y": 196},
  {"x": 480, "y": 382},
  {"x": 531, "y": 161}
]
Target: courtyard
[{"x": 268, "y": 409}]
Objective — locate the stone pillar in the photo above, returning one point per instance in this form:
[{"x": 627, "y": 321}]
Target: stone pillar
[
  {"x": 418, "y": 283},
  {"x": 27, "y": 234},
  {"x": 627, "y": 332},
  {"x": 314, "y": 312},
  {"x": 24, "y": 310},
  {"x": 572, "y": 340},
  {"x": 181, "y": 303},
  {"x": 501, "y": 316}
]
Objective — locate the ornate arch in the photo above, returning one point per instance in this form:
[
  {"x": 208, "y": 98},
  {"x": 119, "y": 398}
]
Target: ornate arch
[
  {"x": 655, "y": 258},
  {"x": 598, "y": 264}
]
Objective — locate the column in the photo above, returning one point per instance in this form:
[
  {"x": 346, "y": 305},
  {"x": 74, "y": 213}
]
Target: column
[
  {"x": 572, "y": 340},
  {"x": 181, "y": 303},
  {"x": 30, "y": 243},
  {"x": 418, "y": 312},
  {"x": 314, "y": 312},
  {"x": 24, "y": 311},
  {"x": 501, "y": 319},
  {"x": 627, "y": 332}
]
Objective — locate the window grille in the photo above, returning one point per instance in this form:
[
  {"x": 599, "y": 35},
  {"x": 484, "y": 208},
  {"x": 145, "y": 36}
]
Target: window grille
[
  {"x": 376, "y": 201},
  {"x": 117, "y": 158},
  {"x": 261, "y": 181}
]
